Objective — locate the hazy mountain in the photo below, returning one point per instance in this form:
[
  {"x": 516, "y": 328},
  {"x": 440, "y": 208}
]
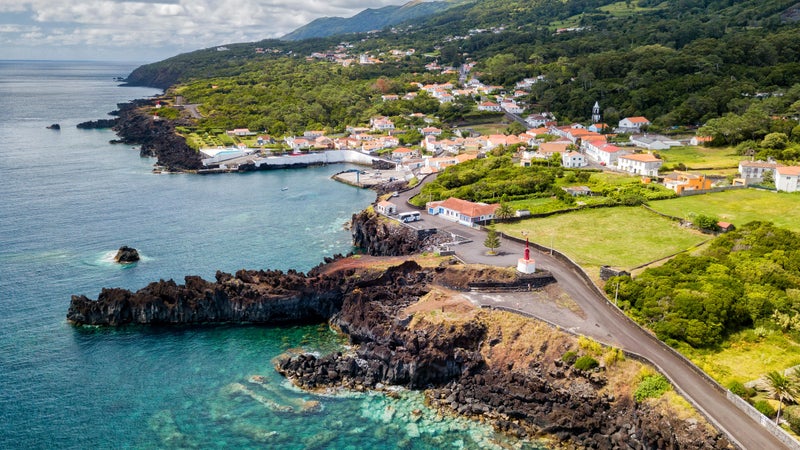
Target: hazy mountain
[{"x": 369, "y": 19}]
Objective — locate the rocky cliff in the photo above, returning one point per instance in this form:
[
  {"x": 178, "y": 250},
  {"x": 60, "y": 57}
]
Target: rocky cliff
[
  {"x": 380, "y": 236},
  {"x": 156, "y": 137},
  {"x": 410, "y": 327},
  {"x": 248, "y": 296},
  {"x": 489, "y": 365}
]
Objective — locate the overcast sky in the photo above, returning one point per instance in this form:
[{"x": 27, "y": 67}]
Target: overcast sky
[{"x": 152, "y": 30}]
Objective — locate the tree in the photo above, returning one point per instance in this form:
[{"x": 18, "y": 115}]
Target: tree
[
  {"x": 515, "y": 128},
  {"x": 780, "y": 388},
  {"x": 504, "y": 211},
  {"x": 492, "y": 241}
]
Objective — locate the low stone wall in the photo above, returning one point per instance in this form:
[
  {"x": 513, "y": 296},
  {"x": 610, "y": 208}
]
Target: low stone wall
[{"x": 773, "y": 428}]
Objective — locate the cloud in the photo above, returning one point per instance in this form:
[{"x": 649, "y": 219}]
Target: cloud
[{"x": 160, "y": 28}]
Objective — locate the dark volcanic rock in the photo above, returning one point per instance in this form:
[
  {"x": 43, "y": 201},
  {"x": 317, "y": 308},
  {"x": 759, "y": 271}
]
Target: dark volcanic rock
[
  {"x": 381, "y": 237},
  {"x": 156, "y": 137},
  {"x": 126, "y": 255},
  {"x": 97, "y": 124},
  {"x": 445, "y": 358},
  {"x": 249, "y": 296},
  {"x": 54, "y": 126}
]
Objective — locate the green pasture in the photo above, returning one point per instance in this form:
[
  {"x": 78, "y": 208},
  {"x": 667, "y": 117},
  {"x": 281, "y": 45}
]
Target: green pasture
[
  {"x": 747, "y": 356},
  {"x": 623, "y": 237},
  {"x": 737, "y": 207},
  {"x": 696, "y": 158}
]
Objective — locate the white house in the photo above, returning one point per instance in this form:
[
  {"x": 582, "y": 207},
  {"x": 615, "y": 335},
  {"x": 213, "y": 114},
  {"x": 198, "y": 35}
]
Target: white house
[
  {"x": 633, "y": 124},
  {"x": 462, "y": 211},
  {"x": 386, "y": 207},
  {"x": 786, "y": 178},
  {"x": 640, "y": 164},
  {"x": 489, "y": 106},
  {"x": 381, "y": 123},
  {"x": 539, "y": 120},
  {"x": 572, "y": 160},
  {"x": 605, "y": 154},
  {"x": 753, "y": 171}
]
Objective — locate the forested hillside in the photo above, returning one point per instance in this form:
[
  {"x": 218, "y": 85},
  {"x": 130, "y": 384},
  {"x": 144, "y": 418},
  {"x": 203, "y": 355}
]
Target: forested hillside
[
  {"x": 747, "y": 278},
  {"x": 679, "y": 63}
]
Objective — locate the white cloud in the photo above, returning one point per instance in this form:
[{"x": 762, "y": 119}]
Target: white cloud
[{"x": 160, "y": 27}]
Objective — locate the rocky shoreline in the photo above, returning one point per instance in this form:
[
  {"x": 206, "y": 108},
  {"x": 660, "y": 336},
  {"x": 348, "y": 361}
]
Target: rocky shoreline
[
  {"x": 408, "y": 329},
  {"x": 156, "y": 137}
]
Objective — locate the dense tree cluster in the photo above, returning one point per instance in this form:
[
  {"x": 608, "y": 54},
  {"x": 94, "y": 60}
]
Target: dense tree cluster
[{"x": 745, "y": 278}]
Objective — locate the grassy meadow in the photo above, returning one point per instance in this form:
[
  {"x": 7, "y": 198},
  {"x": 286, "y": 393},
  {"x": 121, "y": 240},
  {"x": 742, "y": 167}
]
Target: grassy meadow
[
  {"x": 623, "y": 237},
  {"x": 697, "y": 158},
  {"x": 738, "y": 207}
]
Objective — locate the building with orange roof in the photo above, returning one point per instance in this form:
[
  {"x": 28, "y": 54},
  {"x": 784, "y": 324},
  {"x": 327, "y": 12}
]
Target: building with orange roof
[
  {"x": 786, "y": 178},
  {"x": 681, "y": 182},
  {"x": 640, "y": 164},
  {"x": 463, "y": 211},
  {"x": 633, "y": 124}
]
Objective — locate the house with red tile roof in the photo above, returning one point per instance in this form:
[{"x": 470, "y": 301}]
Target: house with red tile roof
[
  {"x": 489, "y": 106},
  {"x": 787, "y": 178},
  {"x": 633, "y": 124},
  {"x": 640, "y": 164},
  {"x": 404, "y": 152},
  {"x": 462, "y": 211}
]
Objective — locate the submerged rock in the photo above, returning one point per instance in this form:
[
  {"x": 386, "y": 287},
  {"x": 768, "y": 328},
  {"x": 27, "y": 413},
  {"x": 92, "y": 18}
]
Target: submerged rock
[{"x": 126, "y": 255}]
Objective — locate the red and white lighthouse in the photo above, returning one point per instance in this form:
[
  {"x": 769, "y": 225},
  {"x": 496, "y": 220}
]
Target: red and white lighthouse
[{"x": 526, "y": 264}]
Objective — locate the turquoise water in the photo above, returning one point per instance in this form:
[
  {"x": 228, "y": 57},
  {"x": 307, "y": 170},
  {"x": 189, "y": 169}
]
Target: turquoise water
[{"x": 70, "y": 199}]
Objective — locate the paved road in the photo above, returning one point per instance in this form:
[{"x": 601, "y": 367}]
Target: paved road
[{"x": 606, "y": 323}]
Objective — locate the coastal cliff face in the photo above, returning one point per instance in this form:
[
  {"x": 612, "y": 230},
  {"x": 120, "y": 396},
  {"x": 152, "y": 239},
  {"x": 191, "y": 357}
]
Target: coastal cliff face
[
  {"x": 156, "y": 137},
  {"x": 248, "y": 296},
  {"x": 490, "y": 365},
  {"x": 379, "y": 236},
  {"x": 411, "y": 328}
]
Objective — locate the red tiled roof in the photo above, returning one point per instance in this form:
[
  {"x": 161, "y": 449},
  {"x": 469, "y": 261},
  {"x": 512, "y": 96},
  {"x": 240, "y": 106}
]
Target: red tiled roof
[
  {"x": 789, "y": 170},
  {"x": 642, "y": 157},
  {"x": 468, "y": 208}
]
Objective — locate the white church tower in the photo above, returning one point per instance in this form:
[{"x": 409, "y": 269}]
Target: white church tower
[{"x": 596, "y": 113}]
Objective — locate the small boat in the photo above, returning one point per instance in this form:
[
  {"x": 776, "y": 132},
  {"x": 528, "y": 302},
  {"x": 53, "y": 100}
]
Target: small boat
[{"x": 284, "y": 188}]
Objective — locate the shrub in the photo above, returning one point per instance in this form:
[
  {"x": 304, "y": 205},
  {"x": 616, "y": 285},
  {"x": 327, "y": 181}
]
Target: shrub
[
  {"x": 738, "y": 388},
  {"x": 590, "y": 345},
  {"x": 764, "y": 408},
  {"x": 613, "y": 356},
  {"x": 585, "y": 363},
  {"x": 569, "y": 357},
  {"x": 794, "y": 421},
  {"x": 652, "y": 386}
]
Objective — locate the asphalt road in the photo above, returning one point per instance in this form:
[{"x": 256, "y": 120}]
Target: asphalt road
[{"x": 603, "y": 321}]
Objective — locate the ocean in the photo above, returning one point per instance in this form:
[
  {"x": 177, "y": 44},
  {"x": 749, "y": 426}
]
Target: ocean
[{"x": 70, "y": 199}]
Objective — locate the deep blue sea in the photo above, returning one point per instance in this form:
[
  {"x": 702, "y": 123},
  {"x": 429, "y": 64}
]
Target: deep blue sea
[{"x": 69, "y": 199}]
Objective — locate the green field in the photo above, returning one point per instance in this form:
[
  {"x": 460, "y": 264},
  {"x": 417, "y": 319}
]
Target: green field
[
  {"x": 623, "y": 237},
  {"x": 696, "y": 158},
  {"x": 746, "y": 356},
  {"x": 738, "y": 207}
]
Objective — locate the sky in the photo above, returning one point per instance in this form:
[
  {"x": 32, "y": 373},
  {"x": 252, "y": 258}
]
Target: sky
[{"x": 151, "y": 30}]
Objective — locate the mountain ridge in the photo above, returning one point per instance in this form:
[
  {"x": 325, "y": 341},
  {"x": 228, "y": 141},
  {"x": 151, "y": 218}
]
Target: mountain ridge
[{"x": 370, "y": 19}]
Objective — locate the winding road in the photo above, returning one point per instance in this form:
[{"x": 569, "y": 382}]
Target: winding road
[{"x": 603, "y": 321}]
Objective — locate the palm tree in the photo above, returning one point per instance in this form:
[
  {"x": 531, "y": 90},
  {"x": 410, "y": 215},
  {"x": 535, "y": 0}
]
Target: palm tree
[{"x": 780, "y": 388}]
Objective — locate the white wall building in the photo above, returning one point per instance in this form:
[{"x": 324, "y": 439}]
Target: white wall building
[
  {"x": 786, "y": 178},
  {"x": 640, "y": 164}
]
